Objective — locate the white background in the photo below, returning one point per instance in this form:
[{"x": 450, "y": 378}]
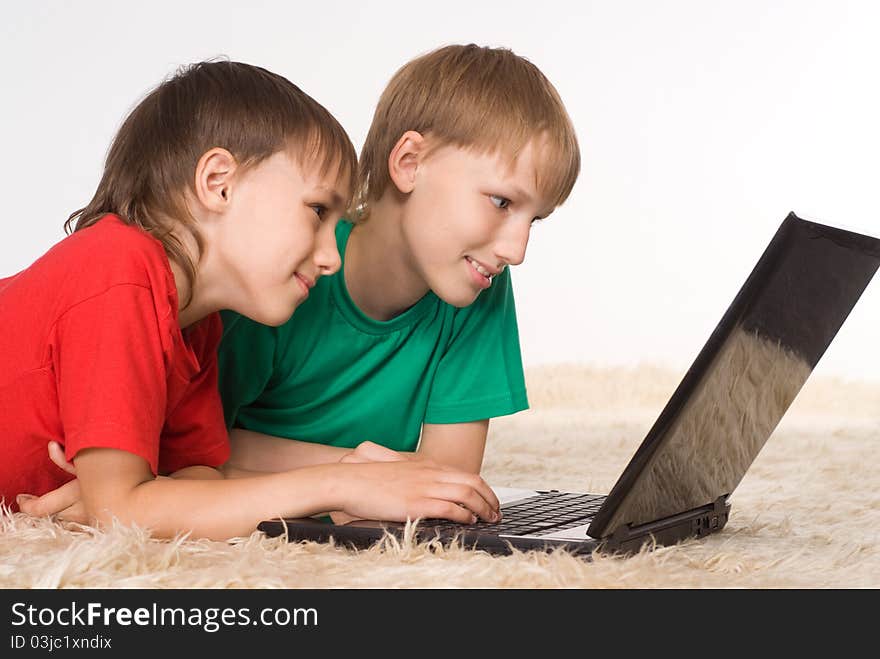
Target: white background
[{"x": 702, "y": 124}]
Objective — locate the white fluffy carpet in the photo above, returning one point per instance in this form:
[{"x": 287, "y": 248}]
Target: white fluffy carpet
[{"x": 807, "y": 514}]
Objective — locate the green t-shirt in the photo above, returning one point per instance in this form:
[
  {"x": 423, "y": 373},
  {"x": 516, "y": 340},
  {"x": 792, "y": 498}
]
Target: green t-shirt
[{"x": 332, "y": 375}]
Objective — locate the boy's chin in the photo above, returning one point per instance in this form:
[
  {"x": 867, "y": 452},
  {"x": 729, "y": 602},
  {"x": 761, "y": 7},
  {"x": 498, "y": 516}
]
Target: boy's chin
[
  {"x": 463, "y": 297},
  {"x": 274, "y": 316}
]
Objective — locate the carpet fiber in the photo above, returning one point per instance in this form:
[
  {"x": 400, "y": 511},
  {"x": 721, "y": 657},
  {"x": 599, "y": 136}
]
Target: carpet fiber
[{"x": 807, "y": 514}]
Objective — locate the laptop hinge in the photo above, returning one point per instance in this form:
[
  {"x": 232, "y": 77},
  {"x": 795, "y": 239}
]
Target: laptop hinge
[{"x": 697, "y": 522}]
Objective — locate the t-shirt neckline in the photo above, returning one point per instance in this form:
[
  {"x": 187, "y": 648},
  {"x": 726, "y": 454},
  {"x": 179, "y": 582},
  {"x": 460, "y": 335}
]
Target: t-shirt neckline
[{"x": 350, "y": 311}]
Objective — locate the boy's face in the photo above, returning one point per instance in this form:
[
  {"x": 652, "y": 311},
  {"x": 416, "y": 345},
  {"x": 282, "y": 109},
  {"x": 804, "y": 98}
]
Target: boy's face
[
  {"x": 469, "y": 216},
  {"x": 279, "y": 236}
]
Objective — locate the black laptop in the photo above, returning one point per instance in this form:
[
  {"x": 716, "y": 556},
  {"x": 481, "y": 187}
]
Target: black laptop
[{"x": 678, "y": 483}]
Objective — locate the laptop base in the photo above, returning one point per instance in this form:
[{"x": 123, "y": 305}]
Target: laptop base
[{"x": 628, "y": 539}]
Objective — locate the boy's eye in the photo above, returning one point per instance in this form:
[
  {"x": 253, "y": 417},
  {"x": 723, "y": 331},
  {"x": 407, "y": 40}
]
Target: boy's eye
[
  {"x": 320, "y": 210},
  {"x": 499, "y": 202}
]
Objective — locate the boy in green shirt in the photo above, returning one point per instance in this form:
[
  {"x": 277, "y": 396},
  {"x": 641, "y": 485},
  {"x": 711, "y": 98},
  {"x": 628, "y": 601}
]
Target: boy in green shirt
[{"x": 413, "y": 343}]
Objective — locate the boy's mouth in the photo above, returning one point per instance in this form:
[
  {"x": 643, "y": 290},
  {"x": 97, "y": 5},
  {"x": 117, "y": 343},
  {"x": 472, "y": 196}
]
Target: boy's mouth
[
  {"x": 305, "y": 282},
  {"x": 479, "y": 267}
]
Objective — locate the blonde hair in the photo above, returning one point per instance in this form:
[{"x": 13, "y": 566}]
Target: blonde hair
[
  {"x": 487, "y": 99},
  {"x": 247, "y": 110}
]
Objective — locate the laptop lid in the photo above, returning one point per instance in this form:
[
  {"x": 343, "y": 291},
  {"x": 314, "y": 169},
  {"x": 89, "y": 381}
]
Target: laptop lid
[{"x": 746, "y": 376}]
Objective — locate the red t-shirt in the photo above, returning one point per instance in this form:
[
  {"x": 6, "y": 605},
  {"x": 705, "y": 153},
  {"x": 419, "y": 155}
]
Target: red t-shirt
[{"x": 91, "y": 355}]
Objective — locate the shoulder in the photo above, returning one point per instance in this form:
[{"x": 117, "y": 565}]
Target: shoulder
[
  {"x": 96, "y": 261},
  {"x": 117, "y": 248},
  {"x": 107, "y": 254}
]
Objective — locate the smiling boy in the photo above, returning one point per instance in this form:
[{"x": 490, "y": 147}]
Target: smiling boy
[{"x": 413, "y": 344}]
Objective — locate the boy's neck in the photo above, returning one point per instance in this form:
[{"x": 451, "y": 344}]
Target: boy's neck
[
  {"x": 380, "y": 276},
  {"x": 204, "y": 296},
  {"x": 196, "y": 309}
]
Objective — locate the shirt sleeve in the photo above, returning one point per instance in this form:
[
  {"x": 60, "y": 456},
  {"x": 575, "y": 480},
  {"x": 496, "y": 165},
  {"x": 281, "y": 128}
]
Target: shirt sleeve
[
  {"x": 246, "y": 362},
  {"x": 194, "y": 432},
  {"x": 110, "y": 368},
  {"x": 480, "y": 375}
]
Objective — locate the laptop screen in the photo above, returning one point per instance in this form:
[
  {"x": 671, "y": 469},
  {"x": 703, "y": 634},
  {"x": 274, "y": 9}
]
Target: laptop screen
[{"x": 747, "y": 375}]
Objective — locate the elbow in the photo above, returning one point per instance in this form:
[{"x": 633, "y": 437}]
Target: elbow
[
  {"x": 124, "y": 509},
  {"x": 109, "y": 514}
]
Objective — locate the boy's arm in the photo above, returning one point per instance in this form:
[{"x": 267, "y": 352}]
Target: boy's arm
[
  {"x": 65, "y": 501},
  {"x": 197, "y": 472},
  {"x": 115, "y": 484},
  {"x": 480, "y": 376},
  {"x": 459, "y": 445},
  {"x": 256, "y": 452}
]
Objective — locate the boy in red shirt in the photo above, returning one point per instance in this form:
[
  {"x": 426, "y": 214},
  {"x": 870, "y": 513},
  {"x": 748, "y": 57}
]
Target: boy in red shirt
[{"x": 221, "y": 190}]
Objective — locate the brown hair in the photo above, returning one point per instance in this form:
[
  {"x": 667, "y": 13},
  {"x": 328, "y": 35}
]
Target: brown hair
[
  {"x": 251, "y": 112},
  {"x": 488, "y": 99}
]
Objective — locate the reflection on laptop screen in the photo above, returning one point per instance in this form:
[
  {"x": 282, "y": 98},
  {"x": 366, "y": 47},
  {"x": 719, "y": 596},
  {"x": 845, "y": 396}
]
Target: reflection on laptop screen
[{"x": 749, "y": 372}]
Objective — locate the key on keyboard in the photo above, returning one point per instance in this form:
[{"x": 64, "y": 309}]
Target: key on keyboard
[{"x": 548, "y": 510}]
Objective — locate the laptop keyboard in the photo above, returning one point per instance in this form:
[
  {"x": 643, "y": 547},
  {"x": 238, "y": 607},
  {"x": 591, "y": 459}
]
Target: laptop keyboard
[{"x": 549, "y": 511}]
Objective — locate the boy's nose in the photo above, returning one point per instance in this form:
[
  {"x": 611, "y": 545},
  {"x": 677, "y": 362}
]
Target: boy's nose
[
  {"x": 511, "y": 245},
  {"x": 326, "y": 253}
]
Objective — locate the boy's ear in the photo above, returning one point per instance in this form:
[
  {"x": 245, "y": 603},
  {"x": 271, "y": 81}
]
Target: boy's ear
[
  {"x": 404, "y": 160},
  {"x": 214, "y": 177}
]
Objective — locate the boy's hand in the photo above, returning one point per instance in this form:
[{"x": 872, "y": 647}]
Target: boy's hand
[
  {"x": 64, "y": 502},
  {"x": 400, "y": 489},
  {"x": 367, "y": 452},
  {"x": 372, "y": 452}
]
